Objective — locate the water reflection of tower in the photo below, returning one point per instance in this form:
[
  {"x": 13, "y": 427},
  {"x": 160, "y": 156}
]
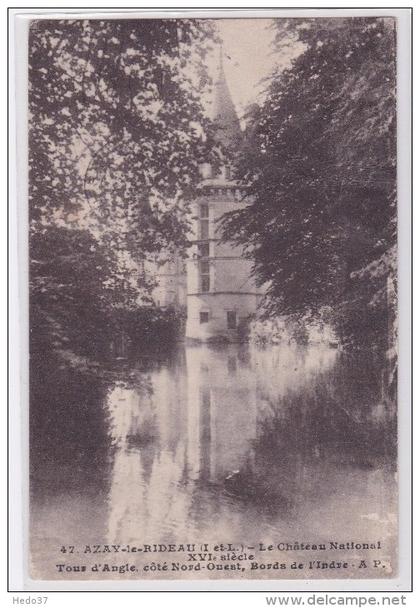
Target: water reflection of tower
[
  {"x": 148, "y": 429},
  {"x": 222, "y": 411}
]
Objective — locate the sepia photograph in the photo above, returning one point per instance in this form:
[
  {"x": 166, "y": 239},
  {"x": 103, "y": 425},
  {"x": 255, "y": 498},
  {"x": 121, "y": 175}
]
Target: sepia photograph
[{"x": 213, "y": 298}]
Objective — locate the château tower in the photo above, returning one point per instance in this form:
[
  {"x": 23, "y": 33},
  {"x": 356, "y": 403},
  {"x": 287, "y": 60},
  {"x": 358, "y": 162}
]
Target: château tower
[{"x": 221, "y": 293}]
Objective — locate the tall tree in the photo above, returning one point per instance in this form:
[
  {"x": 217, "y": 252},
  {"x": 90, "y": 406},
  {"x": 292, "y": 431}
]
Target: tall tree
[
  {"x": 320, "y": 168},
  {"x": 116, "y": 138}
]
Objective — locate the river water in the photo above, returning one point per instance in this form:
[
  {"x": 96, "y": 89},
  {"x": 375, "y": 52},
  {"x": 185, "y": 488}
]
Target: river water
[{"x": 214, "y": 444}]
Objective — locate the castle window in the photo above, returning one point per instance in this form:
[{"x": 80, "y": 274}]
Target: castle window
[
  {"x": 205, "y": 283},
  {"x": 204, "y": 229},
  {"x": 204, "y": 317},
  {"x": 204, "y": 250},
  {"x": 204, "y": 211},
  {"x": 204, "y": 267},
  {"x": 231, "y": 319}
]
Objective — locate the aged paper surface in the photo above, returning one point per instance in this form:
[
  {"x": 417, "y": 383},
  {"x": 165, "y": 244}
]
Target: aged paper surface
[{"x": 213, "y": 286}]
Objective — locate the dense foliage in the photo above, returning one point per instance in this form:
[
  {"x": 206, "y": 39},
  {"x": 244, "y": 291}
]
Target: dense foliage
[
  {"x": 320, "y": 167},
  {"x": 115, "y": 144}
]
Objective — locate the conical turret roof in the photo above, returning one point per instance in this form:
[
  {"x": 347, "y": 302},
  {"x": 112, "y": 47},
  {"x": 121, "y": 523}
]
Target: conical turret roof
[{"x": 228, "y": 128}]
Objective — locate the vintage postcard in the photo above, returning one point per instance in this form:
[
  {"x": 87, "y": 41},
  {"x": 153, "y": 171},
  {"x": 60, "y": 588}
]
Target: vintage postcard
[{"x": 213, "y": 298}]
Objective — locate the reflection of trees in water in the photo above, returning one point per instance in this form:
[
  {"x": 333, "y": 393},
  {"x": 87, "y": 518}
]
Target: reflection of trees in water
[
  {"x": 282, "y": 369},
  {"x": 342, "y": 415},
  {"x": 332, "y": 420},
  {"x": 71, "y": 441},
  {"x": 131, "y": 413},
  {"x": 67, "y": 422},
  {"x": 216, "y": 441}
]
